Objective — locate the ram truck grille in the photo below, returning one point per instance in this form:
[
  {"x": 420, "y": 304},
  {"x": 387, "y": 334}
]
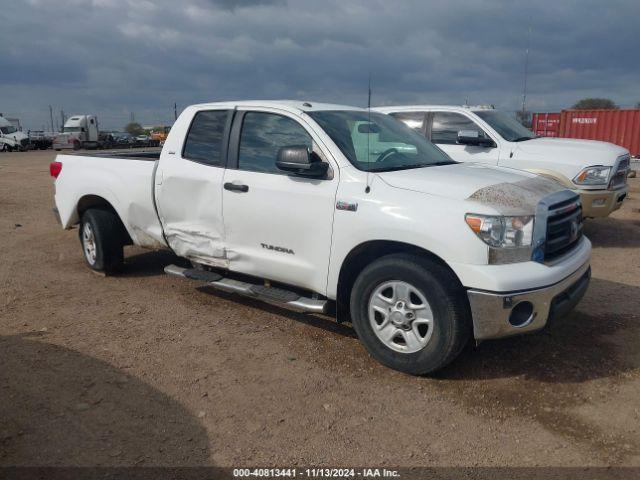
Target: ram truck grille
[
  {"x": 619, "y": 177},
  {"x": 564, "y": 228}
]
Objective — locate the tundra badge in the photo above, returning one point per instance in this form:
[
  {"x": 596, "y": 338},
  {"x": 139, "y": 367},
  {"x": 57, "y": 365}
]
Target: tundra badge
[{"x": 278, "y": 249}]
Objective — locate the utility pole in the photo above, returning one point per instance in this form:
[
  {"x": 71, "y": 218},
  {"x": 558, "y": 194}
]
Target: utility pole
[
  {"x": 175, "y": 111},
  {"x": 62, "y": 118},
  {"x": 51, "y": 117},
  {"x": 526, "y": 74},
  {"x": 132, "y": 117}
]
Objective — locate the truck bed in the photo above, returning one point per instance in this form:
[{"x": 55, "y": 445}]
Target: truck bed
[
  {"x": 123, "y": 179},
  {"x": 148, "y": 155}
]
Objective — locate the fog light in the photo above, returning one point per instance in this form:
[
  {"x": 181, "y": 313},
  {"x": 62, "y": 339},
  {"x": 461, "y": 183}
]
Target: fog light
[
  {"x": 599, "y": 202},
  {"x": 522, "y": 314}
]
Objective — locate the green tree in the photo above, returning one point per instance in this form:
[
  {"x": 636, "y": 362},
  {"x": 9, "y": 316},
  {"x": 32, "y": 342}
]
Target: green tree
[
  {"x": 595, "y": 104},
  {"x": 134, "y": 128}
]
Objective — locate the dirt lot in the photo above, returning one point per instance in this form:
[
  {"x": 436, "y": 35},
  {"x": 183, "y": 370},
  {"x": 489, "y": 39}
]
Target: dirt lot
[{"x": 144, "y": 369}]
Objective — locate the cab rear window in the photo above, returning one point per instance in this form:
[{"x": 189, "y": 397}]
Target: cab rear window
[{"x": 205, "y": 137}]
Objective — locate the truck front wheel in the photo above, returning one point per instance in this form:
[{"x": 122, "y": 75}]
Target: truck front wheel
[
  {"x": 411, "y": 313},
  {"x": 101, "y": 236}
]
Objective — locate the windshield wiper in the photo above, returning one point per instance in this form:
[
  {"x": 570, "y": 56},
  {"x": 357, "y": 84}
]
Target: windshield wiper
[
  {"x": 399, "y": 167},
  {"x": 523, "y": 139},
  {"x": 410, "y": 166},
  {"x": 447, "y": 162}
]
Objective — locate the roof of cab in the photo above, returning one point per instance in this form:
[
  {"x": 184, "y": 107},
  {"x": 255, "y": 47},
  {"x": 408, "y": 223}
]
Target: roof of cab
[
  {"x": 418, "y": 108},
  {"x": 288, "y": 105}
]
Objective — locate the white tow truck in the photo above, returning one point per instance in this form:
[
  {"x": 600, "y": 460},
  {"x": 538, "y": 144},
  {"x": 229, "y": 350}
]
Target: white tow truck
[
  {"x": 339, "y": 210},
  {"x": 597, "y": 171}
]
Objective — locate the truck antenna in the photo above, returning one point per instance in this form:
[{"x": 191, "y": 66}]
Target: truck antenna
[
  {"x": 526, "y": 74},
  {"x": 368, "y": 187}
]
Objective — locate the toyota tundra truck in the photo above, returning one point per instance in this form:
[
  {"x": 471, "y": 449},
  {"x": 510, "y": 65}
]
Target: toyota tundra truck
[
  {"x": 597, "y": 171},
  {"x": 344, "y": 211}
]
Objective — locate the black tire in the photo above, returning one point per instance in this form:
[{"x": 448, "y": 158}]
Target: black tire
[
  {"x": 108, "y": 240},
  {"x": 452, "y": 325}
]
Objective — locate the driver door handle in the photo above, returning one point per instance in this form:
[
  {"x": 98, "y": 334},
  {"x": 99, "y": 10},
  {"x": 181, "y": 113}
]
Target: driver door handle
[{"x": 236, "y": 187}]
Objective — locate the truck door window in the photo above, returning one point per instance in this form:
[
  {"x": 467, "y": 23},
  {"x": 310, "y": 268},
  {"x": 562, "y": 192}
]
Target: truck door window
[
  {"x": 205, "y": 137},
  {"x": 262, "y": 135},
  {"x": 446, "y": 126},
  {"x": 413, "y": 120}
]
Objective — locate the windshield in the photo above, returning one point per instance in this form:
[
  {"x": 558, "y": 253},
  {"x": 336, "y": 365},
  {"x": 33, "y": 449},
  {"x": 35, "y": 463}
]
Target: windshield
[
  {"x": 8, "y": 130},
  {"x": 508, "y": 127},
  {"x": 376, "y": 142},
  {"x": 71, "y": 129}
]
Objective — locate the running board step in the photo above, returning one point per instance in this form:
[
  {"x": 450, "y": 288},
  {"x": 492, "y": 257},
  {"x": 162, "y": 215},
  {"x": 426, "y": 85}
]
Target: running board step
[{"x": 269, "y": 294}]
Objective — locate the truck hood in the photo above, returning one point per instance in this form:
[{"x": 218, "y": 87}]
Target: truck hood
[
  {"x": 507, "y": 191},
  {"x": 580, "y": 153}
]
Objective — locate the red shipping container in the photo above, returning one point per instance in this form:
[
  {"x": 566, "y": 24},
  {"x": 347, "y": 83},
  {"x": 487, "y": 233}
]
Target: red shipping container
[
  {"x": 621, "y": 127},
  {"x": 546, "y": 124}
]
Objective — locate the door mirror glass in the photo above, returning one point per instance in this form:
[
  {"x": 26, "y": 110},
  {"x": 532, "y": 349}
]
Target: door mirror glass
[
  {"x": 473, "y": 138},
  {"x": 298, "y": 160}
]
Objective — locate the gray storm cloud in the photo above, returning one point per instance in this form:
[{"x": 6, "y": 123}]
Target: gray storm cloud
[{"x": 114, "y": 57}]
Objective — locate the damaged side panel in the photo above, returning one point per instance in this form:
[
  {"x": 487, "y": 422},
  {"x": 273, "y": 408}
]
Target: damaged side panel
[{"x": 189, "y": 202}]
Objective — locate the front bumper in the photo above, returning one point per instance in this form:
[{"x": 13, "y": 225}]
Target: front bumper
[
  {"x": 600, "y": 203},
  {"x": 502, "y": 314}
]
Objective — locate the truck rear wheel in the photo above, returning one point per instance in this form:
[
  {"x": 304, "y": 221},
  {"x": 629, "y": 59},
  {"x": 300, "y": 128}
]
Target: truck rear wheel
[
  {"x": 101, "y": 236},
  {"x": 411, "y": 313}
]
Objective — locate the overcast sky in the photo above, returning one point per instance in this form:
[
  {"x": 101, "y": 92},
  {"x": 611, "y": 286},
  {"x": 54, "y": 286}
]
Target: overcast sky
[{"x": 115, "y": 57}]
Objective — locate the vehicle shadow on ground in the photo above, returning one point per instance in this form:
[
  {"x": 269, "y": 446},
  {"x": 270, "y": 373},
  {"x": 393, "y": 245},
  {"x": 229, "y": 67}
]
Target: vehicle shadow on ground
[
  {"x": 324, "y": 322},
  {"x": 573, "y": 349},
  {"x": 613, "y": 232},
  {"x": 152, "y": 263},
  {"x": 149, "y": 263},
  {"x": 577, "y": 348},
  {"x": 60, "y": 407}
]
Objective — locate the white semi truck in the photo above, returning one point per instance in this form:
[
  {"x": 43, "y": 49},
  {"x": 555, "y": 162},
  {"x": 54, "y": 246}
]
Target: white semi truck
[
  {"x": 79, "y": 131},
  {"x": 11, "y": 138},
  {"x": 334, "y": 209}
]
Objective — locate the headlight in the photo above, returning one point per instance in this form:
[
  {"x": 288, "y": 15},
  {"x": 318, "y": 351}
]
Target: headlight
[
  {"x": 501, "y": 231},
  {"x": 593, "y": 176}
]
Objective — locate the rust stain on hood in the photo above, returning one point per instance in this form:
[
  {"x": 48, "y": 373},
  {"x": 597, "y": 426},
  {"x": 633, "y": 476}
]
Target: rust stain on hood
[{"x": 518, "y": 198}]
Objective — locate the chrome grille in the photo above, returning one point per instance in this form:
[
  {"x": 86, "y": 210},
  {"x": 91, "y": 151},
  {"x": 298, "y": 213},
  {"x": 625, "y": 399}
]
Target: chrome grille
[
  {"x": 619, "y": 177},
  {"x": 564, "y": 228}
]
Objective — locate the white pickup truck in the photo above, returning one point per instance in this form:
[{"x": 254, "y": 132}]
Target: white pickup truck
[
  {"x": 334, "y": 209},
  {"x": 597, "y": 171}
]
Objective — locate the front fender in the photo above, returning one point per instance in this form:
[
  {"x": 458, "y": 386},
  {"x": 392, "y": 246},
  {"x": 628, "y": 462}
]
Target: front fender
[{"x": 428, "y": 222}]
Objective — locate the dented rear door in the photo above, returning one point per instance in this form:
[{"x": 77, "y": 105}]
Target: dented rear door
[{"x": 188, "y": 187}]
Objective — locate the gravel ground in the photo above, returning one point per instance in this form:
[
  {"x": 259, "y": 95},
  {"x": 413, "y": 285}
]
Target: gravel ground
[{"x": 145, "y": 369}]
